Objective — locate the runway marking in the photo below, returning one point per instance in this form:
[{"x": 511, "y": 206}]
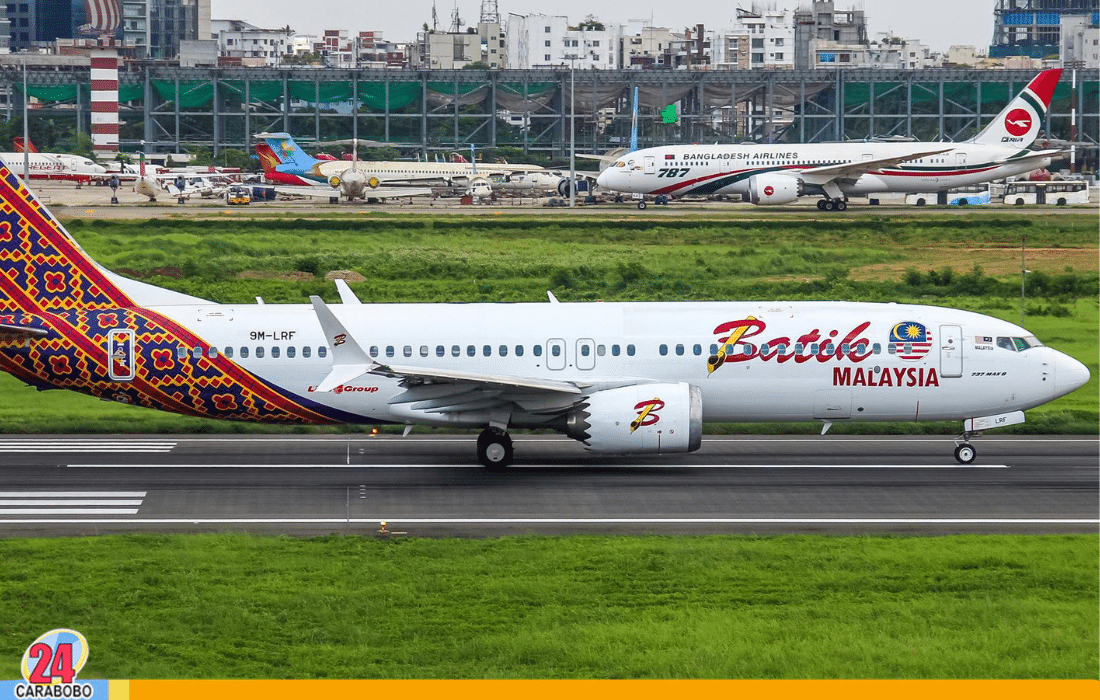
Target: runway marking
[
  {"x": 517, "y": 467},
  {"x": 36, "y": 446},
  {"x": 70, "y": 503},
  {"x": 575, "y": 521}
]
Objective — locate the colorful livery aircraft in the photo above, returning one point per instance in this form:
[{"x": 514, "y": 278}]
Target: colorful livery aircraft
[
  {"x": 55, "y": 166},
  {"x": 781, "y": 173},
  {"x": 623, "y": 378},
  {"x": 285, "y": 163}
]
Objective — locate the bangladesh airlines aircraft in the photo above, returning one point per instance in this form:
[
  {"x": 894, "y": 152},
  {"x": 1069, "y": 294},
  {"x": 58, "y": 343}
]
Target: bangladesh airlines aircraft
[
  {"x": 781, "y": 173},
  {"x": 624, "y": 378},
  {"x": 284, "y": 162}
]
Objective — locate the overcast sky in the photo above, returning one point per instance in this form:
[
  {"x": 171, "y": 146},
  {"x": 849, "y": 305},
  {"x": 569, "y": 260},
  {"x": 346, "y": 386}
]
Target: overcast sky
[{"x": 938, "y": 23}]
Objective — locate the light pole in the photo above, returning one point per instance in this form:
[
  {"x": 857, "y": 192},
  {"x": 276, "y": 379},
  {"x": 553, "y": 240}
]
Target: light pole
[
  {"x": 26, "y": 133},
  {"x": 572, "y": 58}
]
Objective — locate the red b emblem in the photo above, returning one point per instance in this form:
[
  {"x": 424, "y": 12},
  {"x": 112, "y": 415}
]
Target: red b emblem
[
  {"x": 769, "y": 191},
  {"x": 647, "y": 413},
  {"x": 1018, "y": 122}
]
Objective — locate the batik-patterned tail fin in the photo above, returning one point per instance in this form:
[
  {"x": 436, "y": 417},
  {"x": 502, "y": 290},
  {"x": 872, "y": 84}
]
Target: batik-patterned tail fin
[{"x": 42, "y": 269}]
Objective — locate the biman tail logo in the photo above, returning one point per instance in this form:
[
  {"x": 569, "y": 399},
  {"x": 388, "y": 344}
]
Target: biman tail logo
[
  {"x": 647, "y": 413},
  {"x": 1018, "y": 122}
]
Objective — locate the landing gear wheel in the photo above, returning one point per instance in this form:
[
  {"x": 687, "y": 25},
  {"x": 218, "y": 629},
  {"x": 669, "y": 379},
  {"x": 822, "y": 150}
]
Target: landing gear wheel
[
  {"x": 829, "y": 205},
  {"x": 821, "y": 204},
  {"x": 965, "y": 454},
  {"x": 494, "y": 448},
  {"x": 841, "y": 205},
  {"x": 642, "y": 204}
]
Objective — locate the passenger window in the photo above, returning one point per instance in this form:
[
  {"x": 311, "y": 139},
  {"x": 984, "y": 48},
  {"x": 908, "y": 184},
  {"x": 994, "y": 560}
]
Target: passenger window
[
  {"x": 814, "y": 348},
  {"x": 244, "y": 352},
  {"x": 877, "y": 349},
  {"x": 423, "y": 350},
  {"x": 713, "y": 349},
  {"x": 275, "y": 351},
  {"x": 373, "y": 351},
  {"x": 228, "y": 352},
  {"x": 799, "y": 348},
  {"x": 322, "y": 351},
  {"x": 440, "y": 351},
  {"x": 663, "y": 349},
  {"x": 196, "y": 353},
  {"x": 845, "y": 348},
  {"x": 503, "y": 350},
  {"x": 679, "y": 348},
  {"x": 260, "y": 351},
  {"x": 306, "y": 351},
  {"x": 471, "y": 350},
  {"x": 630, "y": 350},
  {"x": 455, "y": 351},
  {"x": 765, "y": 349},
  {"x": 601, "y": 350},
  {"x": 290, "y": 352},
  {"x": 211, "y": 352},
  {"x": 181, "y": 353},
  {"x": 697, "y": 349},
  {"x": 407, "y": 351},
  {"x": 519, "y": 351},
  {"x": 389, "y": 351},
  {"x": 615, "y": 350},
  {"x": 487, "y": 350},
  {"x": 537, "y": 350},
  {"x": 555, "y": 350},
  {"x": 586, "y": 350}
]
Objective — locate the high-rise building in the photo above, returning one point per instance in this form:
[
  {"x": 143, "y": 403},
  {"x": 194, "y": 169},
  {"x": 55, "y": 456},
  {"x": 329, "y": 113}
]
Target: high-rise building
[
  {"x": 156, "y": 27},
  {"x": 36, "y": 23},
  {"x": 1033, "y": 27}
]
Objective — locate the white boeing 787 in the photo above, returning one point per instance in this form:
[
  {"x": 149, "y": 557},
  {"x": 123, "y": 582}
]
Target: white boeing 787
[
  {"x": 626, "y": 378},
  {"x": 781, "y": 173}
]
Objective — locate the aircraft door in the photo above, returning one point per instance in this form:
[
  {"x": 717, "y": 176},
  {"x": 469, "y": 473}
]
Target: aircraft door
[
  {"x": 586, "y": 353},
  {"x": 960, "y": 159},
  {"x": 555, "y": 353},
  {"x": 120, "y": 350},
  {"x": 650, "y": 165},
  {"x": 951, "y": 360}
]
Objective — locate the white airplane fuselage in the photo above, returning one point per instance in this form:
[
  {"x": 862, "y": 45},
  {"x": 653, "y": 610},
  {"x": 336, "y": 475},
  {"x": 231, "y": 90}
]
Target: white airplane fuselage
[
  {"x": 730, "y": 169},
  {"x": 794, "y": 361}
]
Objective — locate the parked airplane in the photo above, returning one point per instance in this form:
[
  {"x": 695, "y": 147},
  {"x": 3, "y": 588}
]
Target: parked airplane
[
  {"x": 55, "y": 166},
  {"x": 624, "y": 378},
  {"x": 286, "y": 163},
  {"x": 781, "y": 173}
]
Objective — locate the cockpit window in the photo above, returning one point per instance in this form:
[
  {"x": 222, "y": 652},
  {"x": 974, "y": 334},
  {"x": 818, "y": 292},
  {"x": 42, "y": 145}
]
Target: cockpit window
[
  {"x": 1006, "y": 343},
  {"x": 620, "y": 164},
  {"x": 1018, "y": 344}
]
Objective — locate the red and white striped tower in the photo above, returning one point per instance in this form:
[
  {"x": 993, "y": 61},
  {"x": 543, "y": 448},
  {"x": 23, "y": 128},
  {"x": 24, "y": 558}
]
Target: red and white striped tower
[{"x": 105, "y": 101}]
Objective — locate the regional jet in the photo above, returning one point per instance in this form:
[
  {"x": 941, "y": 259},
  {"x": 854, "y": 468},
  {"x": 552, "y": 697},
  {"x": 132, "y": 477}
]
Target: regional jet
[
  {"x": 781, "y": 173},
  {"x": 622, "y": 378}
]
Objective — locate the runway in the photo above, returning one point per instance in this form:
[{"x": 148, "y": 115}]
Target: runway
[{"x": 429, "y": 486}]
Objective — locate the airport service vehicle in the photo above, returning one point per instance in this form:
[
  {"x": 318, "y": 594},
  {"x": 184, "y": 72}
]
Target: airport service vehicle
[
  {"x": 623, "y": 378},
  {"x": 781, "y": 173},
  {"x": 970, "y": 195},
  {"x": 237, "y": 194},
  {"x": 1057, "y": 192}
]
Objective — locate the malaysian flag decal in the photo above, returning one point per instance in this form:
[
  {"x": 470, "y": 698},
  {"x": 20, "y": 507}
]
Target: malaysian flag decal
[{"x": 910, "y": 340}]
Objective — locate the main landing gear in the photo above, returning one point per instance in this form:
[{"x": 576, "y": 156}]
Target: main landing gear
[
  {"x": 494, "y": 448},
  {"x": 832, "y": 204}
]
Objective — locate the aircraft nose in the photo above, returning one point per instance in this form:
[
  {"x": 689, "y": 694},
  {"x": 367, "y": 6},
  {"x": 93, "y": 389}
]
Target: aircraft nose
[
  {"x": 1069, "y": 374},
  {"x": 604, "y": 178}
]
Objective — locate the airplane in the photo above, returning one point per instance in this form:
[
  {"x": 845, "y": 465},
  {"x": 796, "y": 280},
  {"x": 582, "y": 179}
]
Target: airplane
[
  {"x": 622, "y": 378},
  {"x": 55, "y": 166},
  {"x": 781, "y": 173},
  {"x": 179, "y": 185},
  {"x": 286, "y": 163}
]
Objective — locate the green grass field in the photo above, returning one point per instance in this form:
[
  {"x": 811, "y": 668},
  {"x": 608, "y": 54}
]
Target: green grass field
[
  {"x": 233, "y": 606},
  {"x": 966, "y": 261}
]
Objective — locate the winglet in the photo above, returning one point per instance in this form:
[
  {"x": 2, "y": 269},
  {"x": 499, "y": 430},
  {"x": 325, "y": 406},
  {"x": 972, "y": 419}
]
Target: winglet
[
  {"x": 553, "y": 299},
  {"x": 347, "y": 296},
  {"x": 348, "y": 359}
]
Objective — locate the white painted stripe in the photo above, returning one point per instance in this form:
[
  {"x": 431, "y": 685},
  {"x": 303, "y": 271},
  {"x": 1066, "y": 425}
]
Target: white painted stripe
[
  {"x": 103, "y": 74},
  {"x": 67, "y": 502},
  {"x": 66, "y": 511},
  {"x": 577, "y": 521},
  {"x": 669, "y": 465},
  {"x": 72, "y": 494},
  {"x": 105, "y": 117},
  {"x": 105, "y": 97}
]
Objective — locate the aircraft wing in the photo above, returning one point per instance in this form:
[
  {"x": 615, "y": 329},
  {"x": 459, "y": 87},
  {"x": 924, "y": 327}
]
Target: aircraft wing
[
  {"x": 418, "y": 376},
  {"x": 828, "y": 173},
  {"x": 1037, "y": 155}
]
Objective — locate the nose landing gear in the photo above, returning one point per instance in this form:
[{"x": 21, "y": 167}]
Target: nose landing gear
[{"x": 494, "y": 448}]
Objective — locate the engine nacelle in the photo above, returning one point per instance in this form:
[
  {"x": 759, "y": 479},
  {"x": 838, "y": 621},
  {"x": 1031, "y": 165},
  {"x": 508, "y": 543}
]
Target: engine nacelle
[
  {"x": 640, "y": 419},
  {"x": 772, "y": 188}
]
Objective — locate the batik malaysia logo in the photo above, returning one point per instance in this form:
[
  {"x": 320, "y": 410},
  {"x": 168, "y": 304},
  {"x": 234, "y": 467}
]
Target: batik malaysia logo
[
  {"x": 50, "y": 666},
  {"x": 1018, "y": 122},
  {"x": 648, "y": 413}
]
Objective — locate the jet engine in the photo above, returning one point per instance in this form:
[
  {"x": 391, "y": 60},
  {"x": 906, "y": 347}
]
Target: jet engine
[
  {"x": 773, "y": 188},
  {"x": 640, "y": 419}
]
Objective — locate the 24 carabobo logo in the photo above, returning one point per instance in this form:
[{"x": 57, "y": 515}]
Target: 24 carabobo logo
[
  {"x": 50, "y": 666},
  {"x": 647, "y": 413}
]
